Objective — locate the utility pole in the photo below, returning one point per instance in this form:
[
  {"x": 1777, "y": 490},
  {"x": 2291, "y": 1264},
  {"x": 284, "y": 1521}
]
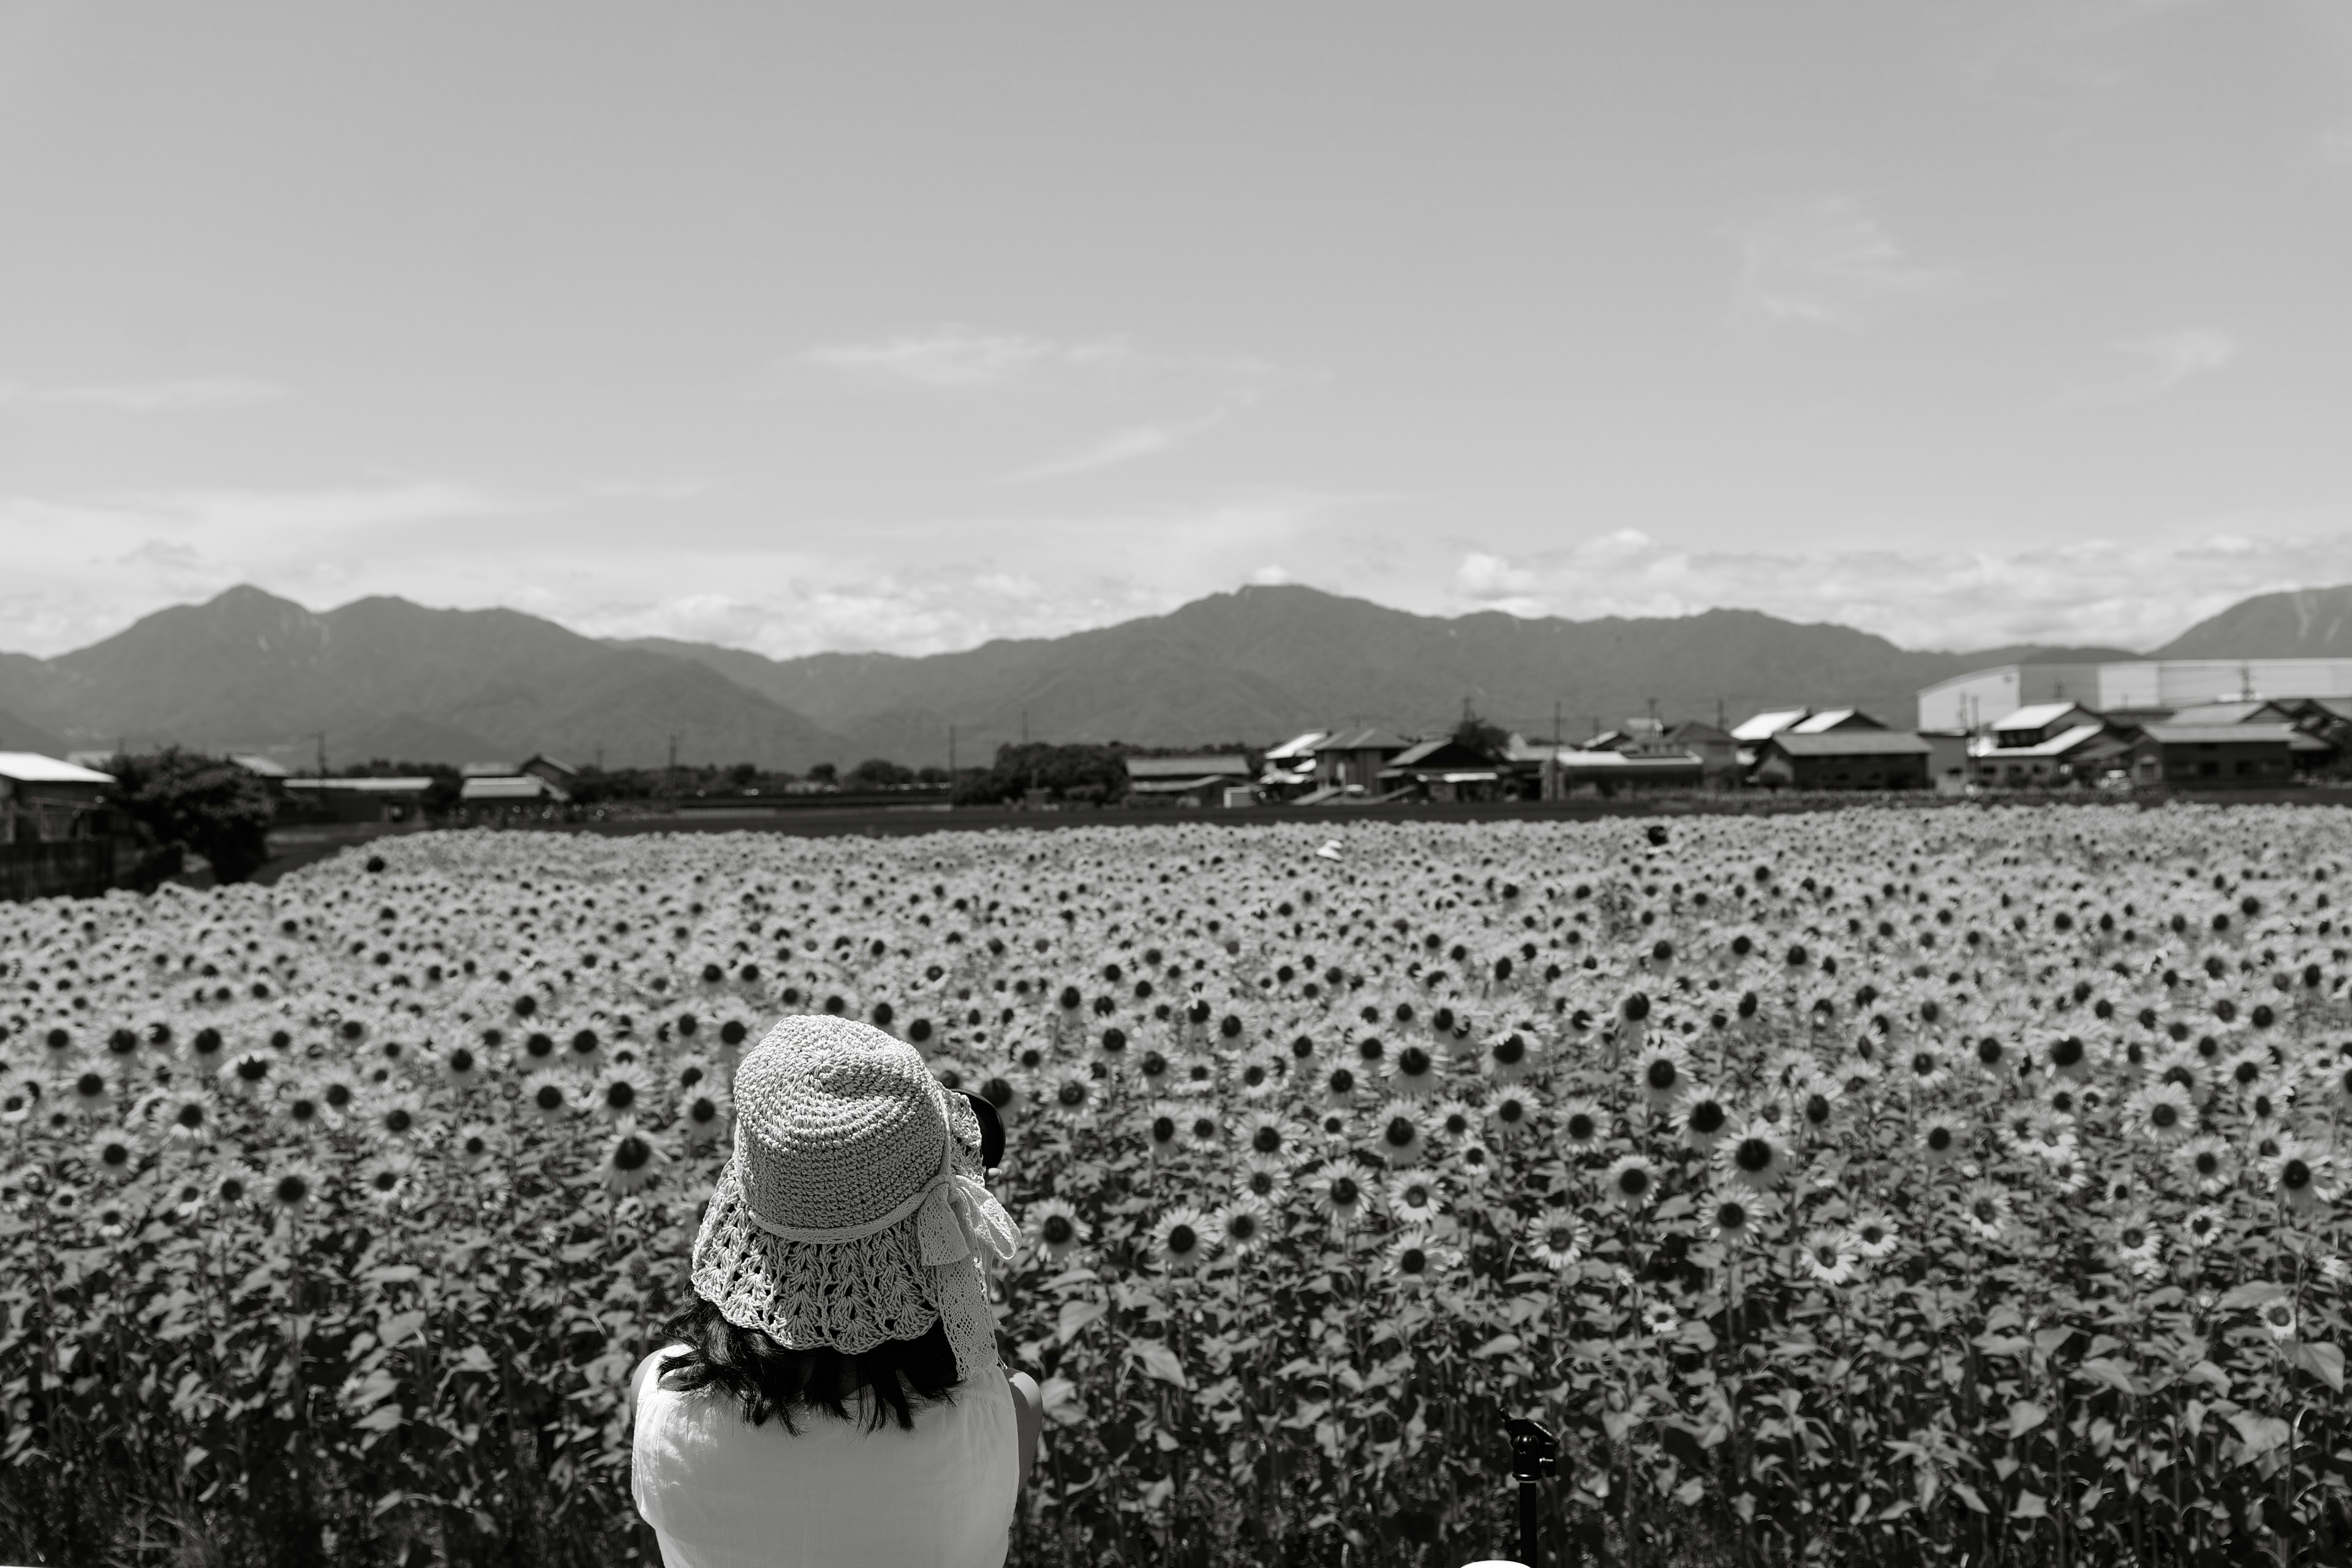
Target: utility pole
[
  {"x": 1558, "y": 737},
  {"x": 1719, "y": 715}
]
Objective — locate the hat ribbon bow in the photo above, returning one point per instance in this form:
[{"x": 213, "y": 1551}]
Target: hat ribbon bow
[{"x": 960, "y": 1218}]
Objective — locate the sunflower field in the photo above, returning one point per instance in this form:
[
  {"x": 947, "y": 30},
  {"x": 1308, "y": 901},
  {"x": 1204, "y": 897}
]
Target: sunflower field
[{"x": 1878, "y": 1185}]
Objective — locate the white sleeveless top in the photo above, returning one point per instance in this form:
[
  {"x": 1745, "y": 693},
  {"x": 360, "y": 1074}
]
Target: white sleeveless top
[{"x": 722, "y": 1493}]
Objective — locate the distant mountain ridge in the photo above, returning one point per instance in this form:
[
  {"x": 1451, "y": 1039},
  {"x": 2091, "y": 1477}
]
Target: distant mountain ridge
[
  {"x": 384, "y": 678},
  {"x": 2307, "y": 623},
  {"x": 1275, "y": 660}
]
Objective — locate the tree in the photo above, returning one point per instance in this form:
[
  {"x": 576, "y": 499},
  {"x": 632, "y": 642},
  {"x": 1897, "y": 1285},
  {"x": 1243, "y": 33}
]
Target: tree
[
  {"x": 1488, "y": 739},
  {"x": 878, "y": 773},
  {"x": 181, "y": 803},
  {"x": 1090, "y": 774},
  {"x": 825, "y": 773}
]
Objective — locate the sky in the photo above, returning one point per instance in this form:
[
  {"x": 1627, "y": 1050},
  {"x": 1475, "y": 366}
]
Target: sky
[{"x": 903, "y": 327}]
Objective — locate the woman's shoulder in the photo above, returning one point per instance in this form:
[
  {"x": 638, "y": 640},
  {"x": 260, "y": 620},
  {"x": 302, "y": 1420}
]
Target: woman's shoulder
[{"x": 649, "y": 1370}]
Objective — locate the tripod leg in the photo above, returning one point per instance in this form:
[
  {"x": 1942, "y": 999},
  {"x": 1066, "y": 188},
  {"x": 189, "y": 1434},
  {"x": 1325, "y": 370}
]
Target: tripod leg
[{"x": 1528, "y": 1543}]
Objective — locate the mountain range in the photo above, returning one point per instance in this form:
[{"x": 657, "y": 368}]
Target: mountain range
[{"x": 384, "y": 678}]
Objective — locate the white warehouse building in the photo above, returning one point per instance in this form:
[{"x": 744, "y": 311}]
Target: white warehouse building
[{"x": 2126, "y": 687}]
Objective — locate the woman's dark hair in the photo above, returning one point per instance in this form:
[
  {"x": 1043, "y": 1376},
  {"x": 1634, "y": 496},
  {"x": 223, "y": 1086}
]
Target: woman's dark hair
[{"x": 766, "y": 1379}]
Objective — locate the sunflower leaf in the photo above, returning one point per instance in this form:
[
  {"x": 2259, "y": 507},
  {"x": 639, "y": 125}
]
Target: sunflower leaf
[
  {"x": 2253, "y": 1293},
  {"x": 2024, "y": 1416},
  {"x": 2323, "y": 1361}
]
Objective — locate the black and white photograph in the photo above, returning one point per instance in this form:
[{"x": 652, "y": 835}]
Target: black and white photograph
[{"x": 1294, "y": 785}]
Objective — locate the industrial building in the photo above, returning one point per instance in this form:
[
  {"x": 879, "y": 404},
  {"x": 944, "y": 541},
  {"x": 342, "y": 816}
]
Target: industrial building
[{"x": 2127, "y": 689}]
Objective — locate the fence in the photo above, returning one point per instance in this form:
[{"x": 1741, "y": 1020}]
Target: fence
[{"x": 72, "y": 867}]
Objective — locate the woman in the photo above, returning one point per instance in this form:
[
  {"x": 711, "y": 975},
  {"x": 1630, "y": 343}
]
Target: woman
[{"x": 834, "y": 1396}]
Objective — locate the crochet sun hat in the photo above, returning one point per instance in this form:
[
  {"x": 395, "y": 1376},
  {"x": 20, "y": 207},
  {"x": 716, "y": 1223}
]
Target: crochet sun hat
[{"x": 853, "y": 1210}]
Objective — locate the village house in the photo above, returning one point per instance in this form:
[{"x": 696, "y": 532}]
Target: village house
[
  {"x": 43, "y": 800},
  {"x": 1349, "y": 762},
  {"x": 398, "y": 800},
  {"x": 2226, "y": 756},
  {"x": 1195, "y": 781},
  {"x": 1843, "y": 758}
]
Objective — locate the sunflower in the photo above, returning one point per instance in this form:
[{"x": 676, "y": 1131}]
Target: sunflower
[
  {"x": 2138, "y": 1245},
  {"x": 1511, "y": 1113},
  {"x": 631, "y": 1160},
  {"x": 1700, "y": 1117},
  {"x": 113, "y": 1154},
  {"x": 1265, "y": 1179},
  {"x": 2278, "y": 1318},
  {"x": 1243, "y": 1225},
  {"x": 475, "y": 1146},
  {"x": 20, "y": 1099},
  {"x": 232, "y": 1183},
  {"x": 547, "y": 1095},
  {"x": 461, "y": 1065},
  {"x": 1557, "y": 1238},
  {"x": 1582, "y": 1124},
  {"x": 293, "y": 1186},
  {"x": 1755, "y": 1155},
  {"x": 339, "y": 1094},
  {"x": 1203, "y": 1122},
  {"x": 1815, "y": 1104},
  {"x": 2298, "y": 1174},
  {"x": 1398, "y": 1139},
  {"x": 1508, "y": 1057},
  {"x": 1413, "y": 1072},
  {"x": 1163, "y": 1128},
  {"x": 1072, "y": 1097},
  {"x": 1414, "y": 1198},
  {"x": 620, "y": 1093},
  {"x": 1661, "y": 1070},
  {"x": 1342, "y": 1195},
  {"x": 2204, "y": 1227},
  {"x": 1258, "y": 1075},
  {"x": 1267, "y": 1133},
  {"x": 1001, "y": 1087},
  {"x": 1986, "y": 1208},
  {"x": 1630, "y": 1180},
  {"x": 1453, "y": 1121},
  {"x": 93, "y": 1090},
  {"x": 299, "y": 1107},
  {"x": 692, "y": 1072},
  {"x": 384, "y": 1179},
  {"x": 2068, "y": 1057},
  {"x": 1474, "y": 1162},
  {"x": 1874, "y": 1233},
  {"x": 1737, "y": 1214},
  {"x": 248, "y": 1074},
  {"x": 397, "y": 1114},
  {"x": 187, "y": 1116},
  {"x": 1414, "y": 1260},
  {"x": 1943, "y": 1137},
  {"x": 703, "y": 1115},
  {"x": 1660, "y": 1320},
  {"x": 1339, "y": 1086},
  {"x": 1924, "y": 1068},
  {"x": 1182, "y": 1238},
  {"x": 1829, "y": 1255},
  {"x": 1055, "y": 1228},
  {"x": 110, "y": 1215},
  {"x": 2161, "y": 1111}
]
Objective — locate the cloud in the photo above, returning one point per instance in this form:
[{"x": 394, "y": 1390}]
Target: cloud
[
  {"x": 1828, "y": 263},
  {"x": 2135, "y": 592},
  {"x": 952, "y": 358},
  {"x": 2336, "y": 144},
  {"x": 1271, "y": 575},
  {"x": 147, "y": 397},
  {"x": 2168, "y": 360}
]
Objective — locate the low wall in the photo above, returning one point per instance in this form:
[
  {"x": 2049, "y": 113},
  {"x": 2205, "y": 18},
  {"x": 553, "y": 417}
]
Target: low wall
[{"x": 72, "y": 867}]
